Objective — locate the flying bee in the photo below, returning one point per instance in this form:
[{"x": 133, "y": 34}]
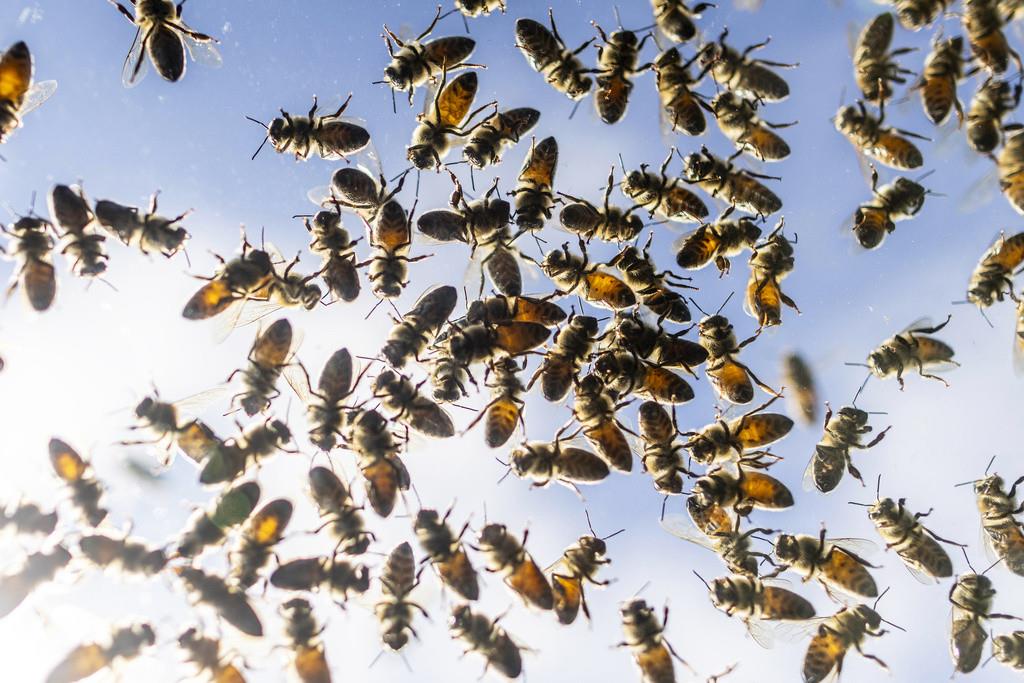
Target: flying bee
[
  {"x": 534, "y": 195},
  {"x": 662, "y": 195},
  {"x": 290, "y": 289},
  {"x": 431, "y": 139},
  {"x": 608, "y": 223},
  {"x": 417, "y": 328},
  {"x": 645, "y": 636},
  {"x": 344, "y": 518},
  {"x": 407, "y": 405},
  {"x": 870, "y": 136},
  {"x": 943, "y": 69},
  {"x": 749, "y": 599},
  {"x": 129, "y": 555},
  {"x": 499, "y": 131},
  {"x": 676, "y": 20},
  {"x": 803, "y": 396},
  {"x": 993, "y": 272},
  {"x": 86, "y": 491},
  {"x": 915, "y": 544},
  {"x": 993, "y": 100},
  {"x": 914, "y": 15},
  {"x": 18, "y": 95},
  {"x": 505, "y": 555},
  {"x": 126, "y": 642},
  {"x": 578, "y": 565},
  {"x": 325, "y": 407},
  {"x": 573, "y": 274},
  {"x": 504, "y": 413},
  {"x": 770, "y": 262},
  {"x": 983, "y": 23},
  {"x": 547, "y": 54},
  {"x": 446, "y": 553},
  {"x": 625, "y": 374},
  {"x": 474, "y": 8},
  {"x": 501, "y": 308},
  {"x": 662, "y": 454},
  {"x": 208, "y": 527},
  {"x": 394, "y": 611},
  {"x": 367, "y": 434},
  {"x": 260, "y": 534},
  {"x": 680, "y": 105},
  {"x": 483, "y": 635},
  {"x": 562, "y": 362},
  {"x": 1010, "y": 164},
  {"x": 417, "y": 62},
  {"x": 737, "y": 72},
  {"x": 631, "y": 333},
  {"x": 70, "y": 209},
  {"x": 1003, "y": 533},
  {"x": 162, "y": 35},
  {"x": 720, "y": 179},
  {"x": 544, "y": 462},
  {"x": 874, "y": 66},
  {"x": 390, "y": 238},
  {"x": 651, "y": 286},
  {"x": 717, "y": 241},
  {"x": 731, "y": 545},
  {"x": 911, "y": 348},
  {"x": 448, "y": 377},
  {"x": 972, "y": 597},
  {"x": 309, "y": 661},
  {"x": 742, "y": 491},
  {"x": 270, "y": 353},
  {"x": 829, "y": 561},
  {"x": 1018, "y": 340},
  {"x": 226, "y": 599},
  {"x": 899, "y": 200},
  {"x": 843, "y": 432},
  {"x": 168, "y": 427},
  {"x": 594, "y": 408},
  {"x": 310, "y": 573},
  {"x": 730, "y": 378},
  {"x": 246, "y": 276},
  {"x": 616, "y": 64},
  {"x": 356, "y": 190},
  {"x": 341, "y": 275},
  {"x": 484, "y": 341},
  {"x": 205, "y": 653},
  {"x": 28, "y": 518},
  {"x": 330, "y": 137},
  {"x": 844, "y": 630},
  {"x": 31, "y": 247},
  {"x": 738, "y": 120},
  {"x": 1008, "y": 649},
  {"x": 36, "y": 569},
  {"x": 149, "y": 231},
  {"x": 740, "y": 439},
  {"x": 230, "y": 459}
]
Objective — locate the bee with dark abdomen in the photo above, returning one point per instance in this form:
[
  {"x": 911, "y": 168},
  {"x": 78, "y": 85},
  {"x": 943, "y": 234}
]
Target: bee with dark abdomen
[
  {"x": 258, "y": 440},
  {"x": 474, "y": 8},
  {"x": 446, "y": 553},
  {"x": 311, "y": 573},
  {"x": 577, "y": 275},
  {"x": 309, "y": 661},
  {"x": 843, "y": 432},
  {"x": 36, "y": 569},
  {"x": 208, "y": 527},
  {"x": 972, "y": 597},
  {"x": 547, "y": 54},
  {"x": 126, "y": 642},
  {"x": 914, "y": 15},
  {"x": 676, "y": 20},
  {"x": 644, "y": 635},
  {"x": 662, "y": 195},
  {"x": 417, "y": 328},
  {"x": 738, "y": 120},
  {"x": 507, "y": 556},
  {"x": 912, "y": 349},
  {"x": 332, "y": 243},
  {"x": 991, "y": 103},
  {"x": 391, "y": 239},
  {"x": 31, "y": 246},
  {"x": 87, "y": 493},
  {"x": 870, "y": 136},
  {"x": 344, "y": 518},
  {"x": 290, "y": 289},
  {"x": 28, "y": 518},
  {"x": 395, "y": 612},
  {"x": 325, "y": 407},
  {"x": 743, "y": 491},
  {"x": 499, "y": 131},
  {"x": 737, "y": 72},
  {"x": 162, "y": 35},
  {"x": 1003, "y": 532},
  {"x": 990, "y": 281},
  {"x": 481, "y": 342},
  {"x": 717, "y": 241},
  {"x": 18, "y": 95},
  {"x": 504, "y": 413},
  {"x": 149, "y": 231},
  {"x": 741, "y": 439},
  {"x": 983, "y": 23},
  {"x": 629, "y": 332},
  {"x": 228, "y": 600},
  {"x": 720, "y": 179},
  {"x": 330, "y": 137},
  {"x": 626, "y": 374},
  {"x": 205, "y": 652},
  {"x": 368, "y": 434},
  {"x": 681, "y": 107},
  {"x": 943, "y": 70},
  {"x": 483, "y": 635},
  {"x": 356, "y": 190},
  {"x": 534, "y": 193},
  {"x": 616, "y": 64},
  {"x": 803, "y": 396},
  {"x": 662, "y": 454},
  {"x": 128, "y": 555},
  {"x": 770, "y": 262},
  {"x": 70, "y": 210},
  {"x": 1010, "y": 163},
  {"x": 607, "y": 224},
  {"x": 830, "y": 562},
  {"x": 260, "y": 534},
  {"x": 270, "y": 353},
  {"x": 407, "y": 405},
  {"x": 431, "y": 139},
  {"x": 731, "y": 379},
  {"x": 749, "y": 599},
  {"x": 448, "y": 377},
  {"x": 562, "y": 362},
  {"x": 594, "y": 408},
  {"x": 897, "y": 201},
  {"x": 1008, "y": 649},
  {"x": 846, "y": 629},
  {"x": 544, "y": 462},
  {"x": 874, "y": 66}
]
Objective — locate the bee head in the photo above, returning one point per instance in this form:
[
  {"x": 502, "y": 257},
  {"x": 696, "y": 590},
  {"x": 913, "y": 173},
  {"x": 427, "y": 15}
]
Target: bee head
[
  {"x": 871, "y": 618},
  {"x": 426, "y": 519},
  {"x": 635, "y": 610},
  {"x": 397, "y": 75},
  {"x": 145, "y": 407},
  {"x": 492, "y": 535},
  {"x": 883, "y": 510},
  {"x": 422, "y": 157},
  {"x": 696, "y": 166},
  {"x": 280, "y": 430},
  {"x": 723, "y": 592},
  {"x": 787, "y": 548},
  {"x": 847, "y": 118},
  {"x": 880, "y": 362},
  {"x": 579, "y": 86},
  {"x": 280, "y": 131}
]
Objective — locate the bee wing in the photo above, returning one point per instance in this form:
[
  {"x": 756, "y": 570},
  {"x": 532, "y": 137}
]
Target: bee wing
[
  {"x": 298, "y": 380},
  {"x": 680, "y": 526},
  {"x": 136, "y": 66},
  {"x": 762, "y": 633},
  {"x": 320, "y": 195},
  {"x": 808, "y": 480},
  {"x": 203, "y": 52},
  {"x": 244, "y": 312},
  {"x": 37, "y": 94},
  {"x": 792, "y": 631},
  {"x": 190, "y": 405},
  {"x": 980, "y": 193},
  {"x": 1018, "y": 343},
  {"x": 856, "y": 546},
  {"x": 920, "y": 575}
]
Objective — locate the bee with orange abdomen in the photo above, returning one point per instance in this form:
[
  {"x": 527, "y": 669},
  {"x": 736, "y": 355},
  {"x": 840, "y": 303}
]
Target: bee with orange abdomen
[
  {"x": 431, "y": 139},
  {"x": 843, "y": 432},
  {"x": 738, "y": 188},
  {"x": 70, "y": 210},
  {"x": 662, "y": 454},
  {"x": 208, "y": 527},
  {"x": 803, "y": 397},
  {"x": 743, "y": 491},
  {"x": 870, "y": 136},
  {"x": 87, "y": 493},
  {"x": 270, "y": 352},
  {"x": 578, "y": 565},
  {"x": 616, "y": 64},
  {"x": 129, "y": 555},
  {"x": 644, "y": 635},
  {"x": 897, "y": 201},
  {"x": 417, "y": 328},
  {"x": 874, "y": 66},
  {"x": 161, "y": 34},
  {"x": 845, "y": 630},
  {"x": 483, "y": 635},
  {"x": 126, "y": 642},
  {"x": 912, "y": 349},
  {"x": 261, "y": 533},
  {"x": 546, "y": 52},
  {"x": 731, "y": 379},
  {"x": 631, "y": 333},
  {"x": 717, "y": 241},
  {"x": 309, "y": 661},
  {"x": 368, "y": 434},
  {"x": 507, "y": 556},
  {"x": 534, "y": 191},
  {"x": 343, "y": 518},
  {"x": 31, "y": 246},
  {"x": 312, "y": 573},
  {"x": 739, "y": 440},
  {"x": 489, "y": 139},
  {"x": 228, "y": 600},
  {"x": 18, "y": 95},
  {"x": 770, "y": 262},
  {"x": 990, "y": 280},
  {"x": 481, "y": 342},
  {"x": 913, "y": 542},
  {"x": 501, "y": 308},
  {"x": 739, "y": 73},
  {"x": 330, "y": 137},
  {"x": 35, "y": 570},
  {"x": 562, "y": 362},
  {"x": 972, "y": 597},
  {"x": 577, "y": 275},
  {"x": 445, "y": 551},
  {"x": 983, "y": 23},
  {"x": 205, "y": 653},
  {"x": 914, "y": 15},
  {"x": 391, "y": 239},
  {"x": 247, "y": 276},
  {"x": 738, "y": 120},
  {"x": 504, "y": 413},
  {"x": 832, "y": 563},
  {"x": 943, "y": 70},
  {"x": 395, "y": 611},
  {"x": 625, "y": 374},
  {"x": 607, "y": 223},
  {"x": 991, "y": 103},
  {"x": 676, "y": 19},
  {"x": 1018, "y": 339},
  {"x": 544, "y": 462},
  {"x": 594, "y": 408},
  {"x": 681, "y": 106},
  {"x": 1003, "y": 531},
  {"x": 747, "y": 598},
  {"x": 1010, "y": 163},
  {"x": 662, "y": 195}
]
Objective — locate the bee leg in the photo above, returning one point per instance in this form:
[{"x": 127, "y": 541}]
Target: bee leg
[
  {"x": 123, "y": 10},
  {"x": 873, "y": 658},
  {"x": 752, "y": 48},
  {"x": 940, "y": 538},
  {"x": 874, "y": 442}
]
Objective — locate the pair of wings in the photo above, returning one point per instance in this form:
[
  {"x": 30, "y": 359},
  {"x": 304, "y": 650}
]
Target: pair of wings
[
  {"x": 16, "y": 81},
  {"x": 136, "y": 66}
]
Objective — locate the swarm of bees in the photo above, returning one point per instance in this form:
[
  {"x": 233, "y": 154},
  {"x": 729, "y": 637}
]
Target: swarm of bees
[{"x": 365, "y": 417}]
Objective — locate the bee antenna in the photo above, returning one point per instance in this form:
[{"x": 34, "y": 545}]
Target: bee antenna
[
  {"x": 990, "y": 464},
  {"x": 622, "y": 164},
  {"x": 965, "y": 483},
  {"x": 723, "y": 303},
  {"x": 589, "y": 525},
  {"x": 964, "y": 550},
  {"x": 706, "y": 584},
  {"x": 863, "y": 505},
  {"x": 988, "y": 659},
  {"x": 858, "y": 365},
  {"x": 879, "y": 599},
  {"x": 257, "y": 121},
  {"x": 863, "y": 384},
  {"x": 641, "y": 588},
  {"x": 612, "y": 535},
  {"x": 992, "y": 565},
  {"x": 982, "y": 311},
  {"x": 893, "y": 625},
  {"x": 697, "y": 305},
  {"x": 878, "y": 486}
]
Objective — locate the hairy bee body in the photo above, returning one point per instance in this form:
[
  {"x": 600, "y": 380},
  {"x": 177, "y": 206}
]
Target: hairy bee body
[
  {"x": 534, "y": 193},
  {"x": 1003, "y": 531},
  {"x": 631, "y": 333},
  {"x": 344, "y": 518},
  {"x": 874, "y": 68},
  {"x": 417, "y": 328},
  {"x": 742, "y": 75},
  {"x": 309, "y": 661},
  {"x": 676, "y": 20},
  {"x": 129, "y": 555},
  {"x": 662, "y": 454},
  {"x": 407, "y": 405},
  {"x": 86, "y": 492},
  {"x": 311, "y": 573},
  {"x": 483, "y": 635},
  {"x": 846, "y": 629},
  {"x": 329, "y": 137},
  {"x": 682, "y": 107},
  {"x": 749, "y": 599},
  {"x": 644, "y": 636},
  {"x": 993, "y": 100},
  {"x": 149, "y": 231},
  {"x": 616, "y": 64},
  {"x": 84, "y": 246},
  {"x": 31, "y": 247},
  {"x": 972, "y": 597},
  {"x": 870, "y": 136},
  {"x": 415, "y": 62},
  {"x": 815, "y": 557},
  {"x": 914, "y": 15},
  {"x": 368, "y": 434},
  {"x": 738, "y": 120},
  {"x": 447, "y": 553},
  {"x": 431, "y": 139},
  {"x": 916, "y": 545},
  {"x": 844, "y": 430},
  {"x": 505, "y": 411},
  {"x": 1010, "y": 163},
  {"x": 770, "y": 262},
  {"x": 897, "y": 201},
  {"x": 743, "y": 491},
  {"x": 228, "y": 600},
  {"x": 943, "y": 69},
  {"x": 395, "y": 611},
  {"x": 126, "y": 642},
  {"x": 720, "y": 179},
  {"x": 579, "y": 564},
  {"x": 731, "y": 379},
  {"x": 663, "y": 196},
  {"x": 205, "y": 653},
  {"x": 983, "y": 23},
  {"x": 548, "y": 55},
  {"x": 575, "y": 275},
  {"x": 492, "y": 136},
  {"x": 911, "y": 349},
  {"x": 35, "y": 570},
  {"x": 562, "y": 362},
  {"x": 18, "y": 95},
  {"x": 740, "y": 439},
  {"x": 716, "y": 242},
  {"x": 991, "y": 279},
  {"x": 626, "y": 374},
  {"x": 208, "y": 527},
  {"x": 260, "y": 534},
  {"x": 594, "y": 408},
  {"x": 1009, "y": 649},
  {"x": 544, "y": 462},
  {"x": 506, "y": 556}
]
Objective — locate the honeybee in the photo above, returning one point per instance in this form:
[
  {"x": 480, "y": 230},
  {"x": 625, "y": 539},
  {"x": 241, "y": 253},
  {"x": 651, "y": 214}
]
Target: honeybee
[
  {"x": 86, "y": 491},
  {"x": 972, "y": 596},
  {"x": 325, "y": 407},
  {"x": 1003, "y": 533},
  {"x": 149, "y": 231},
  {"x": 205, "y": 653},
  {"x": 504, "y": 413},
  {"x": 129, "y": 555},
  {"x": 562, "y": 362},
  {"x": 830, "y": 561},
  {"x": 547, "y": 54},
  {"x": 743, "y": 491},
  {"x": 356, "y": 190},
  {"x": 803, "y": 396},
  {"x": 395, "y": 611},
  {"x": 914, "y": 15},
  {"x": 731, "y": 545},
  {"x": 247, "y": 276},
  {"x": 645, "y": 636},
  {"x": 391, "y": 238},
  {"x": 738, "y": 120},
  {"x": 329, "y": 137},
  {"x": 162, "y": 35},
  {"x": 943, "y": 69},
  {"x": 258, "y": 440},
  {"x": 983, "y": 24},
  {"x": 289, "y": 289},
  {"x": 631, "y": 333},
  {"x": 534, "y": 196},
  {"x": 608, "y": 223},
  {"x": 1008, "y": 649},
  {"x": 28, "y": 518},
  {"x": 844, "y": 630},
  {"x": 991, "y": 103},
  {"x": 408, "y": 406},
  {"x": 448, "y": 377},
  {"x": 344, "y": 518},
  {"x": 1010, "y": 164},
  {"x": 310, "y": 573},
  {"x": 594, "y": 408},
  {"x": 911, "y": 348},
  {"x": 676, "y": 20},
  {"x": 730, "y": 378},
  {"x": 717, "y": 241},
  {"x": 417, "y": 328},
  {"x": 994, "y": 270},
  {"x": 229, "y": 601},
  {"x": 624, "y": 374},
  {"x": 483, "y": 635},
  {"x": 578, "y": 564},
  {"x": 36, "y": 569},
  {"x": 680, "y": 105},
  {"x": 720, "y": 179},
  {"x": 18, "y": 95},
  {"x": 309, "y": 661},
  {"x": 1018, "y": 340},
  {"x": 507, "y": 556},
  {"x": 417, "y": 62},
  {"x": 31, "y": 247},
  {"x": 430, "y": 140},
  {"x": 843, "y": 431},
  {"x": 616, "y": 63},
  {"x": 742, "y": 75},
  {"x": 899, "y": 200},
  {"x": 446, "y": 552},
  {"x": 740, "y": 439},
  {"x": 270, "y": 353},
  {"x": 126, "y": 642},
  {"x": 882, "y": 143},
  {"x": 573, "y": 274},
  {"x": 749, "y": 599},
  {"x": 70, "y": 209},
  {"x": 483, "y": 341},
  {"x": 367, "y": 433},
  {"x": 496, "y": 133},
  {"x": 474, "y": 8},
  {"x": 874, "y": 66},
  {"x": 260, "y": 534},
  {"x": 544, "y": 462},
  {"x": 501, "y": 308},
  {"x": 208, "y": 527},
  {"x": 915, "y": 544},
  {"x": 662, "y": 455},
  {"x": 770, "y": 262},
  {"x": 662, "y": 195}
]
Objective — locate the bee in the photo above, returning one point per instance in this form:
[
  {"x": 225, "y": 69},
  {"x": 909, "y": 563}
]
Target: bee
[
  {"x": 645, "y": 636},
  {"x": 730, "y": 378},
  {"x": 1009, "y": 649},
  {"x": 731, "y": 545},
  {"x": 474, "y": 8},
  {"x": 162, "y": 35},
  {"x": 499, "y": 131},
  {"x": 330, "y": 137},
  {"x": 129, "y": 555},
  {"x": 845, "y": 629},
  {"x": 651, "y": 286},
  {"x": 70, "y": 209},
  {"x": 504, "y": 413},
  {"x": 126, "y": 642},
  {"x": 1010, "y": 164},
  {"x": 578, "y": 565},
  {"x": 328, "y": 233},
  {"x": 446, "y": 552},
  {"x": 18, "y": 95},
  {"x": 325, "y": 412},
  {"x": 662, "y": 453},
  {"x": 740, "y": 439},
  {"x": 228, "y": 600},
  {"x": 270, "y": 353},
  {"x": 87, "y": 492},
  {"x": 608, "y": 223},
  {"x": 915, "y": 544},
  {"x": 989, "y": 106},
  {"x": 717, "y": 241},
  {"x": 681, "y": 107},
  {"x": 943, "y": 69},
  {"x": 367, "y": 434},
  {"x": 803, "y": 396},
  {"x": 534, "y": 196},
  {"x": 753, "y": 602},
  {"x": 594, "y": 408},
  {"x": 1018, "y": 340},
  {"x": 36, "y": 569},
  {"x": 544, "y": 462},
  {"x": 401, "y": 397},
  {"x": 738, "y": 120},
  {"x": 829, "y": 561},
  {"x": 1003, "y": 533},
  {"x": 624, "y": 374},
  {"x": 28, "y": 518},
  {"x": 843, "y": 431},
  {"x": 356, "y": 190},
  {"x": 247, "y": 276},
  {"x": 309, "y": 661},
  {"x": 293, "y": 289},
  {"x": 994, "y": 269},
  {"x": 391, "y": 238},
  {"x": 310, "y": 573},
  {"x": 501, "y": 308},
  {"x": 972, "y": 596},
  {"x": 431, "y": 139},
  {"x": 562, "y": 362},
  {"x": 770, "y": 262},
  {"x": 738, "y": 188},
  {"x": 344, "y": 518},
  {"x": 983, "y": 24},
  {"x": 662, "y": 195},
  {"x": 149, "y": 231},
  {"x": 483, "y": 635},
  {"x": 31, "y": 247},
  {"x": 483, "y": 341},
  {"x": 616, "y": 63},
  {"x": 394, "y": 611},
  {"x": 676, "y": 20},
  {"x": 505, "y": 555},
  {"x": 208, "y": 527},
  {"x": 258, "y": 440},
  {"x": 204, "y": 652},
  {"x": 448, "y": 377},
  {"x": 417, "y": 328},
  {"x": 546, "y": 53},
  {"x": 874, "y": 66},
  {"x": 631, "y": 333},
  {"x": 743, "y": 491},
  {"x": 882, "y": 143},
  {"x": 914, "y": 15},
  {"x": 747, "y": 77},
  {"x": 573, "y": 274},
  {"x": 417, "y": 62},
  {"x": 899, "y": 200},
  {"x": 911, "y": 348},
  {"x": 260, "y": 534}
]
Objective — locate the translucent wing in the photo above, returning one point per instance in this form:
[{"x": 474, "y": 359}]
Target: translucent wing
[
  {"x": 39, "y": 93},
  {"x": 919, "y": 575},
  {"x": 857, "y": 546},
  {"x": 240, "y": 313},
  {"x": 981, "y": 192},
  {"x": 680, "y": 526},
  {"x": 320, "y": 195},
  {"x": 808, "y": 481},
  {"x": 791, "y": 631},
  {"x": 135, "y": 64},
  {"x": 763, "y": 634},
  {"x": 298, "y": 380},
  {"x": 196, "y": 402},
  {"x": 204, "y": 52}
]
